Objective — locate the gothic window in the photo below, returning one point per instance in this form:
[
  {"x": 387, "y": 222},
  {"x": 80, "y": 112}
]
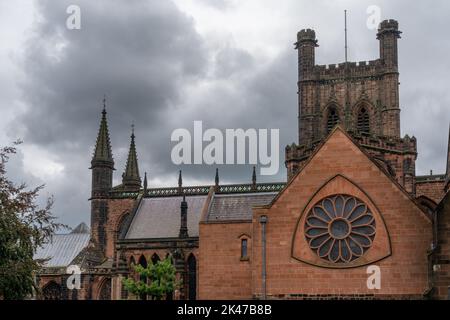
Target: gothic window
[
  {"x": 122, "y": 225},
  {"x": 192, "y": 277},
  {"x": 132, "y": 262},
  {"x": 52, "y": 291},
  {"x": 105, "y": 290},
  {"x": 332, "y": 119},
  {"x": 244, "y": 253},
  {"x": 340, "y": 228},
  {"x": 143, "y": 263},
  {"x": 155, "y": 258},
  {"x": 363, "y": 124}
]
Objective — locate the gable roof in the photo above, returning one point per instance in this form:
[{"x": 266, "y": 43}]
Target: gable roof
[
  {"x": 160, "y": 217},
  {"x": 336, "y": 130},
  {"x": 63, "y": 248},
  {"x": 238, "y": 207}
]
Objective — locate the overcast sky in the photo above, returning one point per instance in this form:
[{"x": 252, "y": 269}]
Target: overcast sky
[{"x": 165, "y": 63}]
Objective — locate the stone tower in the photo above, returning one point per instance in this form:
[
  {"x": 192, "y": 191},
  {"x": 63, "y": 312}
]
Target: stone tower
[
  {"x": 102, "y": 166},
  {"x": 361, "y": 97}
]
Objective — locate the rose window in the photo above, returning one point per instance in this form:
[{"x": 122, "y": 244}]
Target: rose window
[{"x": 340, "y": 228}]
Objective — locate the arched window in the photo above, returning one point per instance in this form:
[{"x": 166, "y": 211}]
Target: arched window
[
  {"x": 121, "y": 227},
  {"x": 132, "y": 262},
  {"x": 143, "y": 263},
  {"x": 332, "y": 119},
  {"x": 155, "y": 258},
  {"x": 105, "y": 290},
  {"x": 192, "y": 277},
  {"x": 244, "y": 249},
  {"x": 52, "y": 291},
  {"x": 363, "y": 124}
]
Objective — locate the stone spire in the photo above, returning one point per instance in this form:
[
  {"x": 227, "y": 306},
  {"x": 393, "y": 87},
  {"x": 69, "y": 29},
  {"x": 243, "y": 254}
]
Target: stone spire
[
  {"x": 103, "y": 154},
  {"x": 183, "y": 223},
  {"x": 130, "y": 178},
  {"x": 180, "y": 182},
  {"x": 216, "y": 181},
  {"x": 145, "y": 184},
  {"x": 254, "y": 178}
]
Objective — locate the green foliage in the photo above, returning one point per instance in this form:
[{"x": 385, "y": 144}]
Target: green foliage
[
  {"x": 23, "y": 228},
  {"x": 156, "y": 281}
]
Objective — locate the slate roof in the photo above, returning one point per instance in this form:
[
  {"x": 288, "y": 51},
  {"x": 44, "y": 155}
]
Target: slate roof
[
  {"x": 160, "y": 217},
  {"x": 64, "y": 247},
  {"x": 237, "y": 206}
]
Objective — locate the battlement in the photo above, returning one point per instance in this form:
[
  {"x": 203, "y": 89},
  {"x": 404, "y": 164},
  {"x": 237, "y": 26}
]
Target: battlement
[
  {"x": 388, "y": 24},
  {"x": 306, "y": 34},
  {"x": 406, "y": 145},
  {"x": 388, "y": 27},
  {"x": 352, "y": 69}
]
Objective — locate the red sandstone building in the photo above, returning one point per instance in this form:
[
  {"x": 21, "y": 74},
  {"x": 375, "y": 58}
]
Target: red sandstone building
[{"x": 352, "y": 200}]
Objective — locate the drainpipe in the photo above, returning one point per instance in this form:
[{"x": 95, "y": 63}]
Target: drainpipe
[{"x": 263, "y": 221}]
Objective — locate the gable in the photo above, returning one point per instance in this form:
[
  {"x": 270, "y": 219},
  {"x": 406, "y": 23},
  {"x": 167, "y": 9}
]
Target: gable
[{"x": 339, "y": 155}]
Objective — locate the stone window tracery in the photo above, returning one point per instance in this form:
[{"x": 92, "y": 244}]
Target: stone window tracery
[{"x": 340, "y": 228}]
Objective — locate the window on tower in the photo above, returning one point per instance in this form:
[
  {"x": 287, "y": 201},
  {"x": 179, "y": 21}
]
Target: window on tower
[
  {"x": 363, "y": 124},
  {"x": 332, "y": 119}
]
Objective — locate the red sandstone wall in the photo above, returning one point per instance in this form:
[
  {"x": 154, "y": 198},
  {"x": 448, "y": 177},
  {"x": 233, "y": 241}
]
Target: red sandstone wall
[
  {"x": 222, "y": 274},
  {"x": 431, "y": 189},
  {"x": 403, "y": 273},
  {"x": 442, "y": 255},
  {"x": 117, "y": 209}
]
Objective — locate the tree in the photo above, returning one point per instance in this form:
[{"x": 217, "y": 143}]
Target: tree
[
  {"x": 156, "y": 280},
  {"x": 24, "y": 227}
]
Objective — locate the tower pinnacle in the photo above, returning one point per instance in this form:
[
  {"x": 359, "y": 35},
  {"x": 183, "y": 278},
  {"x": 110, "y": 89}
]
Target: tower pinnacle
[{"x": 131, "y": 179}]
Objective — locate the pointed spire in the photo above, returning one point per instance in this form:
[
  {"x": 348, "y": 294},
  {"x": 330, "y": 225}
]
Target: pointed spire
[
  {"x": 145, "y": 184},
  {"x": 131, "y": 178},
  {"x": 254, "y": 178},
  {"x": 183, "y": 222},
  {"x": 103, "y": 153},
  {"x": 180, "y": 182},
  {"x": 216, "y": 180}
]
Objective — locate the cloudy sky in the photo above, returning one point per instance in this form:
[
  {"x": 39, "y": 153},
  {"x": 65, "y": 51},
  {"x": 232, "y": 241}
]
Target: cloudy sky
[{"x": 165, "y": 63}]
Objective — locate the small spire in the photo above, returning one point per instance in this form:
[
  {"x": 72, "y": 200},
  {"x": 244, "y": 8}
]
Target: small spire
[
  {"x": 145, "y": 183},
  {"x": 254, "y": 178},
  {"x": 131, "y": 178},
  {"x": 216, "y": 180},
  {"x": 180, "y": 182},
  {"x": 104, "y": 103},
  {"x": 103, "y": 153}
]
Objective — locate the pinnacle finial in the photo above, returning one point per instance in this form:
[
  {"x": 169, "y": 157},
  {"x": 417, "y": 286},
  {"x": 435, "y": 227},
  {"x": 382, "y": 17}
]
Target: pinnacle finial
[
  {"x": 104, "y": 103},
  {"x": 131, "y": 178},
  {"x": 145, "y": 183},
  {"x": 254, "y": 178},
  {"x": 216, "y": 180},
  {"x": 180, "y": 179}
]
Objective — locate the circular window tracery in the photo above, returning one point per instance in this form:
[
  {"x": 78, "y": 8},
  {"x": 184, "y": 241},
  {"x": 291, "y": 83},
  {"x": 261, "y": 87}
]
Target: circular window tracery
[{"x": 340, "y": 228}]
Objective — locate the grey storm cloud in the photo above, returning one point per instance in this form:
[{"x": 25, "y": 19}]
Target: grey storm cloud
[{"x": 158, "y": 71}]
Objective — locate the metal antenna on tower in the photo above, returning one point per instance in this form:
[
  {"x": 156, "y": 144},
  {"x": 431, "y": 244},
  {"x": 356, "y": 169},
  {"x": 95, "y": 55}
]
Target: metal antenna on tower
[{"x": 345, "y": 21}]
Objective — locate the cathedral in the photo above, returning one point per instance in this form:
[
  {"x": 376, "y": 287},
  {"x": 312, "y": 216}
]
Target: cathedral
[{"x": 351, "y": 203}]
